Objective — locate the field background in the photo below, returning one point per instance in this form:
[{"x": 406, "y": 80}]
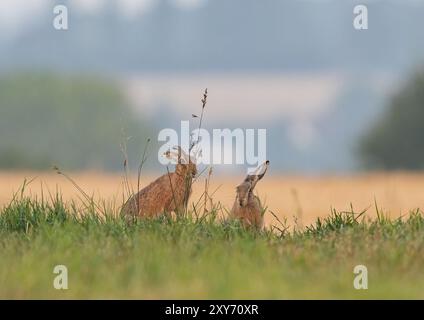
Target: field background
[{"x": 297, "y": 198}]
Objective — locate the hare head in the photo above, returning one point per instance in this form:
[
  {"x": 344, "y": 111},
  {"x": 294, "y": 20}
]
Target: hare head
[
  {"x": 243, "y": 193},
  {"x": 185, "y": 165},
  {"x": 246, "y": 188}
]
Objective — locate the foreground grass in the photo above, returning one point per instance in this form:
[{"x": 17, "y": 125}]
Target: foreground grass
[{"x": 204, "y": 258}]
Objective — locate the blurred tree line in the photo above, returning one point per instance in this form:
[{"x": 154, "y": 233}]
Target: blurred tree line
[
  {"x": 75, "y": 122},
  {"x": 396, "y": 141}
]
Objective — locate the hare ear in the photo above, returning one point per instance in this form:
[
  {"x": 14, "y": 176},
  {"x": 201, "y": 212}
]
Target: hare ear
[
  {"x": 195, "y": 153},
  {"x": 257, "y": 174},
  {"x": 262, "y": 169},
  {"x": 182, "y": 156}
]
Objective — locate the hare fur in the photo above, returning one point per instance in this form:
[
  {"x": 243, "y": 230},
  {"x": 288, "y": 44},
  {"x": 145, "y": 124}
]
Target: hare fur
[
  {"x": 247, "y": 207},
  {"x": 169, "y": 193}
]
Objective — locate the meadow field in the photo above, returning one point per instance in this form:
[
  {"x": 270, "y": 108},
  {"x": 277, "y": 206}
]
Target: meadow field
[{"x": 323, "y": 228}]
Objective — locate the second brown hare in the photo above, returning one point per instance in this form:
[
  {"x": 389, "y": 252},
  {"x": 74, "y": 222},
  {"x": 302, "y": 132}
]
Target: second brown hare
[{"x": 247, "y": 206}]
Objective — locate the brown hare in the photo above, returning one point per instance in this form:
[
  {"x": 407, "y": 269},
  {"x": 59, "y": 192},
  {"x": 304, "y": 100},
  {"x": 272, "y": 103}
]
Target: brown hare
[
  {"x": 247, "y": 207},
  {"x": 169, "y": 193}
]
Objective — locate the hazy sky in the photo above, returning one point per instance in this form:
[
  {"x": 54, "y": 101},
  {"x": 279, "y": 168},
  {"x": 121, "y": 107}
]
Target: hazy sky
[{"x": 14, "y": 14}]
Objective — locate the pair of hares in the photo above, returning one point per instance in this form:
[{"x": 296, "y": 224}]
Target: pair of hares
[{"x": 171, "y": 192}]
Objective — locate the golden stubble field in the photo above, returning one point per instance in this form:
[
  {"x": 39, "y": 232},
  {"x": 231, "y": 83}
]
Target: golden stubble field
[{"x": 293, "y": 197}]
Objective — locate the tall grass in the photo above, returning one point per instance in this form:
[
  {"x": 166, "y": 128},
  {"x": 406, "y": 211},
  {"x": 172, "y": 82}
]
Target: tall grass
[{"x": 203, "y": 256}]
